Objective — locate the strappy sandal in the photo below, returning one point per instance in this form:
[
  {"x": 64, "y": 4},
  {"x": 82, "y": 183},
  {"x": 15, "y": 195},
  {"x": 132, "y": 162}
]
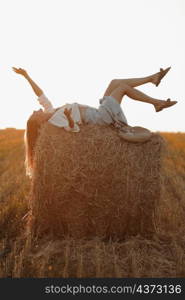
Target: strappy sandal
[
  {"x": 166, "y": 104},
  {"x": 162, "y": 73}
]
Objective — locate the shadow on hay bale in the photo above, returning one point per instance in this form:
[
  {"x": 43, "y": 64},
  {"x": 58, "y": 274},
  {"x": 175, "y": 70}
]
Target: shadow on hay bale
[{"x": 93, "y": 183}]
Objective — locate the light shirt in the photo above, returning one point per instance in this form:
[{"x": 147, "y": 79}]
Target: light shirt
[
  {"x": 109, "y": 111},
  {"x": 59, "y": 118}
]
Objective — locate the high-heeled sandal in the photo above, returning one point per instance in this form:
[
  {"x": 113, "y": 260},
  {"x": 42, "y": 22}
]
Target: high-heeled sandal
[
  {"x": 162, "y": 73},
  {"x": 166, "y": 104}
]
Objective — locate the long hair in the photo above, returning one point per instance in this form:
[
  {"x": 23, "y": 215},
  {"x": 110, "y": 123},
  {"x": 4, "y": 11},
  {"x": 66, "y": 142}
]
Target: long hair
[{"x": 34, "y": 124}]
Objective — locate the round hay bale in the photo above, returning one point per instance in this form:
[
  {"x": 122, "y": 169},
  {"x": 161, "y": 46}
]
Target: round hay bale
[{"x": 93, "y": 183}]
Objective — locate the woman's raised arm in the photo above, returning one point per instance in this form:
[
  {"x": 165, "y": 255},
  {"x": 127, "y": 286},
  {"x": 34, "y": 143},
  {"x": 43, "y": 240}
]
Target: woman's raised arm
[
  {"x": 43, "y": 100},
  {"x": 37, "y": 90}
]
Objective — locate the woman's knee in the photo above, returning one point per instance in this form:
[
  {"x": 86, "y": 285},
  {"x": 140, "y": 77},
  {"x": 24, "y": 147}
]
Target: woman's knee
[
  {"x": 119, "y": 85},
  {"x": 113, "y": 84},
  {"x": 113, "y": 81}
]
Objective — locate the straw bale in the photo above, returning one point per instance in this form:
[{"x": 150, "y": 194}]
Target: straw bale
[{"x": 93, "y": 183}]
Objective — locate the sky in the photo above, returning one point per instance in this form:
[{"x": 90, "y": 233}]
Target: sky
[{"x": 74, "y": 48}]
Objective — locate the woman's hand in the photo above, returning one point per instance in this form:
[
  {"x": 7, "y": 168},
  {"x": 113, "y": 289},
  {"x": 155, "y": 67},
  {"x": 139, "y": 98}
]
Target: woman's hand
[
  {"x": 20, "y": 71},
  {"x": 67, "y": 112}
]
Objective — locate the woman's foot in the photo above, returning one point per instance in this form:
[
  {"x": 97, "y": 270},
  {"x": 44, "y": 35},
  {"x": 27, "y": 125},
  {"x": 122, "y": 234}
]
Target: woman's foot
[
  {"x": 164, "y": 104},
  {"x": 156, "y": 78}
]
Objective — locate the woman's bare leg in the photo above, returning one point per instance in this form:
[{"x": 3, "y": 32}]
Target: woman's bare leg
[
  {"x": 134, "y": 82},
  {"x": 125, "y": 89}
]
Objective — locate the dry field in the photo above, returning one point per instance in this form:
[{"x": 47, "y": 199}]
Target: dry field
[{"x": 162, "y": 255}]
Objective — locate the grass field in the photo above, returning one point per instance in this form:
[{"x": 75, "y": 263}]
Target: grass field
[{"x": 163, "y": 255}]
